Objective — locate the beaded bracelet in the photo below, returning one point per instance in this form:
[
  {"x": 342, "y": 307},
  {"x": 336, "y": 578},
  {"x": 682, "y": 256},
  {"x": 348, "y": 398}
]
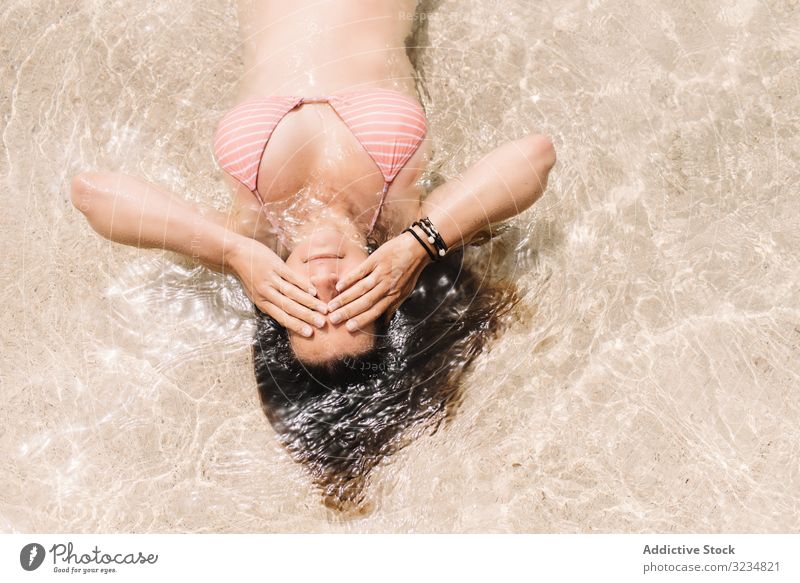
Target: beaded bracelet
[
  {"x": 433, "y": 235},
  {"x": 421, "y": 242}
]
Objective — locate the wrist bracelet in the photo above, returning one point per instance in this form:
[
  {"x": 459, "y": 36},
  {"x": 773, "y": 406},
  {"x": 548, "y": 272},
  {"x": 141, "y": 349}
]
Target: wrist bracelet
[
  {"x": 421, "y": 242},
  {"x": 439, "y": 240},
  {"x": 433, "y": 235}
]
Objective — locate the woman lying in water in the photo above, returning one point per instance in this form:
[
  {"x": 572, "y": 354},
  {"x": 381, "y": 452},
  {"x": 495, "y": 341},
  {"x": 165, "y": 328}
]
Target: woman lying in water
[{"x": 361, "y": 317}]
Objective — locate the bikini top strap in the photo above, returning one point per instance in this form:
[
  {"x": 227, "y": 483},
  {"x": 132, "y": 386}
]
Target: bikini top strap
[{"x": 386, "y": 185}]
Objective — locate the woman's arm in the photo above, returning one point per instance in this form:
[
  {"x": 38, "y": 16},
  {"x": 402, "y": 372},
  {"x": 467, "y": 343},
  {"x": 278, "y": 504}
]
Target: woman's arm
[
  {"x": 131, "y": 211},
  {"x": 499, "y": 186},
  {"x": 135, "y": 212}
]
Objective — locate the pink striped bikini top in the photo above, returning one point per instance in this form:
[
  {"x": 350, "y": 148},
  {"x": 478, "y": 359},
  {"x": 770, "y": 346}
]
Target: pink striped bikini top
[{"x": 388, "y": 124}]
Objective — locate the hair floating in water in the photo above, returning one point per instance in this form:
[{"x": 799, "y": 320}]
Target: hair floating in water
[{"x": 341, "y": 418}]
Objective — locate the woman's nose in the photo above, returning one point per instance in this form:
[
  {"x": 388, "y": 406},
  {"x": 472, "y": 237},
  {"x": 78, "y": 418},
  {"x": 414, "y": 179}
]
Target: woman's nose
[{"x": 326, "y": 286}]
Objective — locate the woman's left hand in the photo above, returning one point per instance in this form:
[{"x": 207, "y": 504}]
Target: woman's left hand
[{"x": 380, "y": 284}]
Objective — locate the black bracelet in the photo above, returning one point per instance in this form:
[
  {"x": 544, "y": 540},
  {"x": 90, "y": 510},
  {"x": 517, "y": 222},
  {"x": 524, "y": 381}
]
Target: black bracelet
[
  {"x": 421, "y": 242},
  {"x": 433, "y": 235},
  {"x": 440, "y": 241}
]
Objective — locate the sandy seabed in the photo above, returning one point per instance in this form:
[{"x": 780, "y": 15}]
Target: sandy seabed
[{"x": 655, "y": 387}]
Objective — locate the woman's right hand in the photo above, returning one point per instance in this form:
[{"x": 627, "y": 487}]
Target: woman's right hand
[{"x": 275, "y": 289}]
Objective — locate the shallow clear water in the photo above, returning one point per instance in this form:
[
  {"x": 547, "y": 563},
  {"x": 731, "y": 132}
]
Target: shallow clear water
[{"x": 654, "y": 386}]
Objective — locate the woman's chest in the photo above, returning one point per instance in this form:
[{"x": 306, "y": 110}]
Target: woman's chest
[{"x": 313, "y": 161}]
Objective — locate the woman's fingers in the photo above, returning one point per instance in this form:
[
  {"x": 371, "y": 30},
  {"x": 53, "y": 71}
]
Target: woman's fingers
[
  {"x": 354, "y": 292},
  {"x": 358, "y": 273},
  {"x": 294, "y": 308},
  {"x": 360, "y": 305},
  {"x": 285, "y": 320},
  {"x": 368, "y": 317},
  {"x": 296, "y": 279},
  {"x": 289, "y": 289}
]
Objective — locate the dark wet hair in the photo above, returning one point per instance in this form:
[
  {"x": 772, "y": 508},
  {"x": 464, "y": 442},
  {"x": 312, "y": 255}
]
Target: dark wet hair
[{"x": 341, "y": 418}]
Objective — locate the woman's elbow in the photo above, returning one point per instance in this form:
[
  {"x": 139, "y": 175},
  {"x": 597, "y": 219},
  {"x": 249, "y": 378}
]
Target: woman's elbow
[
  {"x": 86, "y": 191},
  {"x": 80, "y": 192},
  {"x": 539, "y": 156},
  {"x": 539, "y": 151}
]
